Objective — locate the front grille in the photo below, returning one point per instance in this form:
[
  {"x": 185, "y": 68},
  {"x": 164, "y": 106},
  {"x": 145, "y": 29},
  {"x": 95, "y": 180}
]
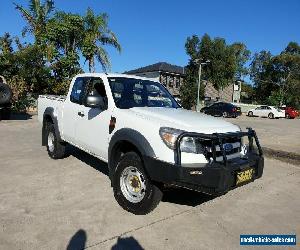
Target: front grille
[
  {"x": 235, "y": 143},
  {"x": 209, "y": 144},
  {"x": 233, "y": 151}
]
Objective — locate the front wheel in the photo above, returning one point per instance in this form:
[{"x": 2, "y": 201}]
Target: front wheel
[
  {"x": 250, "y": 113},
  {"x": 287, "y": 116},
  {"x": 224, "y": 114},
  {"x": 133, "y": 190}
]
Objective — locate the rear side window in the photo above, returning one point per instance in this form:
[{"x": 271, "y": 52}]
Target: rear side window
[{"x": 78, "y": 90}]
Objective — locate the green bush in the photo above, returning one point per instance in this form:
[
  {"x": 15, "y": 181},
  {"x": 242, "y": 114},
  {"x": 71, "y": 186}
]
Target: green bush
[{"x": 21, "y": 100}]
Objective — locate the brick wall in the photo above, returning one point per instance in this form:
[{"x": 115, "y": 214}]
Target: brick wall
[{"x": 224, "y": 95}]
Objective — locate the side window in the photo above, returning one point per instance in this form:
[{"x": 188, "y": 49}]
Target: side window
[
  {"x": 117, "y": 89},
  {"x": 78, "y": 90},
  {"x": 96, "y": 87},
  {"x": 137, "y": 93}
]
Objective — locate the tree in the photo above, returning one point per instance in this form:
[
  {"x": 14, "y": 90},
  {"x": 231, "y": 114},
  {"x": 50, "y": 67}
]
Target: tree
[
  {"x": 36, "y": 17},
  {"x": 277, "y": 78},
  {"x": 97, "y": 34},
  {"x": 32, "y": 68},
  {"x": 220, "y": 71},
  {"x": 260, "y": 74},
  {"x": 7, "y": 59},
  {"x": 222, "y": 67},
  {"x": 6, "y": 44},
  {"x": 292, "y": 48},
  {"x": 188, "y": 91},
  {"x": 247, "y": 93},
  {"x": 286, "y": 67},
  {"x": 242, "y": 56},
  {"x": 64, "y": 38},
  {"x": 24, "y": 70},
  {"x": 65, "y": 31}
]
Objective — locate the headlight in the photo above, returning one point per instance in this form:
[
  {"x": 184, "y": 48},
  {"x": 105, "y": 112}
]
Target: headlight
[
  {"x": 187, "y": 144},
  {"x": 169, "y": 136}
]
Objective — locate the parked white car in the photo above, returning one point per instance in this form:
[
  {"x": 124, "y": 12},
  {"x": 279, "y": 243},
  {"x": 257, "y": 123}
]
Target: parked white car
[
  {"x": 147, "y": 139},
  {"x": 267, "y": 111}
]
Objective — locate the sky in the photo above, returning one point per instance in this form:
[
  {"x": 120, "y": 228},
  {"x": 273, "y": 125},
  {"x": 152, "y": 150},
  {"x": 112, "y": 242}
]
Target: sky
[{"x": 155, "y": 31}]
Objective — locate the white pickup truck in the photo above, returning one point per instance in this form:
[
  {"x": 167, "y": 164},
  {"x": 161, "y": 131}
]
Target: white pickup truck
[{"x": 147, "y": 139}]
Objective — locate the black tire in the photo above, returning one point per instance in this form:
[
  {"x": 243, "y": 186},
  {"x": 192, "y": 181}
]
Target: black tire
[
  {"x": 271, "y": 116},
  {"x": 287, "y": 116},
  {"x": 5, "y": 94},
  {"x": 152, "y": 194},
  {"x": 57, "y": 149},
  {"x": 224, "y": 114},
  {"x": 250, "y": 113}
]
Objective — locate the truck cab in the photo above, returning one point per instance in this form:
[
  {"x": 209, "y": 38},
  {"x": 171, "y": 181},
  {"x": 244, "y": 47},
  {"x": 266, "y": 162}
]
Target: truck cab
[{"x": 147, "y": 139}]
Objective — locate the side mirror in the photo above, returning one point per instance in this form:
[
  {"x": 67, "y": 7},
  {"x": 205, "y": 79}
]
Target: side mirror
[{"x": 95, "y": 102}]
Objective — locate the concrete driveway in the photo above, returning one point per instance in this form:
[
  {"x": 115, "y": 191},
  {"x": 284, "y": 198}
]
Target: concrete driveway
[
  {"x": 278, "y": 134},
  {"x": 69, "y": 204}
]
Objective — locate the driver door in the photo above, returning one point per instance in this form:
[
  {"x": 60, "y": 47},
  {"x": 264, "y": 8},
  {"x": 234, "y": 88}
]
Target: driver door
[{"x": 92, "y": 128}]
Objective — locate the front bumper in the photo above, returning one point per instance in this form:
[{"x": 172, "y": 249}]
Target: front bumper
[{"x": 216, "y": 177}]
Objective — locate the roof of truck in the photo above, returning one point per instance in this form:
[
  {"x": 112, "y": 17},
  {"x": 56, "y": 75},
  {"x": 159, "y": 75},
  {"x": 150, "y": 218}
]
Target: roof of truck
[{"x": 111, "y": 75}]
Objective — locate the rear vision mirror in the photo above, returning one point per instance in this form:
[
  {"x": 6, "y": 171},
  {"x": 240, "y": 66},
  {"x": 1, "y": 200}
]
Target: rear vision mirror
[{"x": 95, "y": 102}]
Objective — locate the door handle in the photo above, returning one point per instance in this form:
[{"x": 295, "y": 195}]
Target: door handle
[{"x": 80, "y": 114}]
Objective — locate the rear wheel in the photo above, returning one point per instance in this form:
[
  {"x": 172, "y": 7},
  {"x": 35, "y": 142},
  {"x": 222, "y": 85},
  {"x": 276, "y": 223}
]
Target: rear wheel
[
  {"x": 271, "y": 116},
  {"x": 133, "y": 190},
  {"x": 250, "y": 113},
  {"x": 55, "y": 148},
  {"x": 287, "y": 116},
  {"x": 224, "y": 114}
]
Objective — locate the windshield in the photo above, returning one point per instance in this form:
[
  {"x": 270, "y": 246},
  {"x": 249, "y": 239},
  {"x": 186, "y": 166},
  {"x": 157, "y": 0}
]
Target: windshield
[{"x": 130, "y": 92}]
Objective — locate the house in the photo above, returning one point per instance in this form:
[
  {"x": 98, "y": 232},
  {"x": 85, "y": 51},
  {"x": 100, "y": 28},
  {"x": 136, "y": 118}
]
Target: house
[
  {"x": 172, "y": 76},
  {"x": 231, "y": 93}
]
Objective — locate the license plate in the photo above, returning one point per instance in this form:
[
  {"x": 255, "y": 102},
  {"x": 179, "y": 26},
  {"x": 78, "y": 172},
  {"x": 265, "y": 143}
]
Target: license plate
[{"x": 244, "y": 176}]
